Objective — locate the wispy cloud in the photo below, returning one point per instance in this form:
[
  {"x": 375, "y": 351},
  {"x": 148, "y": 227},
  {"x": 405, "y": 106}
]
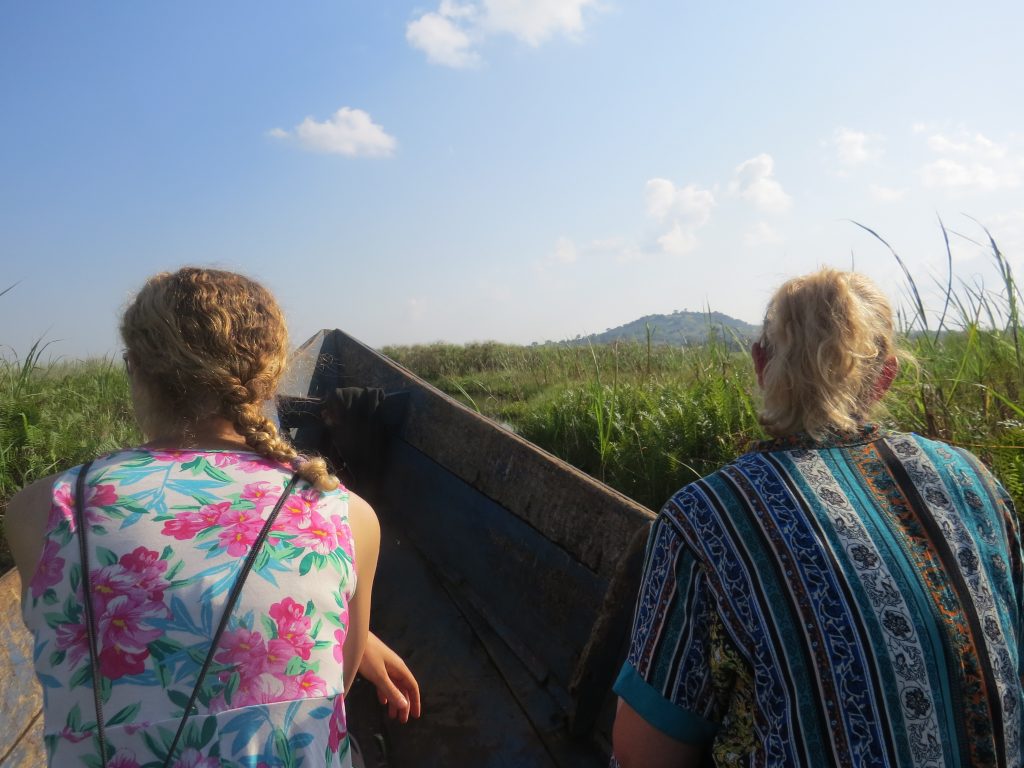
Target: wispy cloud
[
  {"x": 450, "y": 35},
  {"x": 350, "y": 132},
  {"x": 687, "y": 209},
  {"x": 971, "y": 163},
  {"x": 754, "y": 180},
  {"x": 761, "y": 235},
  {"x": 565, "y": 251},
  {"x": 855, "y": 148},
  {"x": 441, "y": 38},
  {"x": 883, "y": 194}
]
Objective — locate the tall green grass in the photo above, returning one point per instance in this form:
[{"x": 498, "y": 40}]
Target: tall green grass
[
  {"x": 54, "y": 415},
  {"x": 646, "y": 418},
  {"x": 649, "y": 418}
]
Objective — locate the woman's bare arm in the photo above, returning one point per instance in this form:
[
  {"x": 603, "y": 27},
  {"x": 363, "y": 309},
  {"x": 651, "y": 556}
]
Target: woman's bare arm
[
  {"x": 25, "y": 526},
  {"x": 366, "y": 535}
]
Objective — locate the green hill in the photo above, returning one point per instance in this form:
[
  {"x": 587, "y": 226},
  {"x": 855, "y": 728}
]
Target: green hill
[{"x": 680, "y": 328}]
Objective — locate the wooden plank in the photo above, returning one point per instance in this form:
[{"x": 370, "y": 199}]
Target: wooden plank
[
  {"x": 29, "y": 752},
  {"x": 21, "y": 700},
  {"x": 470, "y": 717},
  {"x": 588, "y": 519},
  {"x": 544, "y": 600}
]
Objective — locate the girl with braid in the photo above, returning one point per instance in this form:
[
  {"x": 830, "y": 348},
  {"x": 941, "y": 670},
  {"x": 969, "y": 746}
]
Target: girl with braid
[{"x": 202, "y": 600}]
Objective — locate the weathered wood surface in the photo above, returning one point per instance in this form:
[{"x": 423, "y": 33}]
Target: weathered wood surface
[
  {"x": 21, "y": 700},
  {"x": 591, "y": 521},
  {"x": 542, "y": 559}
]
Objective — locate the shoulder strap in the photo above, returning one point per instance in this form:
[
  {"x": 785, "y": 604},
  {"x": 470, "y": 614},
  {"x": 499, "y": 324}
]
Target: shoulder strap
[
  {"x": 236, "y": 590},
  {"x": 81, "y": 525}
]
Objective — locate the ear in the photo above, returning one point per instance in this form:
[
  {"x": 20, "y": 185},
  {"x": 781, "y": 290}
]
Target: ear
[
  {"x": 890, "y": 368},
  {"x": 760, "y": 357}
]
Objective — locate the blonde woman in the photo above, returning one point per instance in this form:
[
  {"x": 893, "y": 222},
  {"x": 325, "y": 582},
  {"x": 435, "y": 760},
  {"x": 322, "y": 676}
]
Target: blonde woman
[
  {"x": 839, "y": 596},
  {"x": 202, "y": 600}
]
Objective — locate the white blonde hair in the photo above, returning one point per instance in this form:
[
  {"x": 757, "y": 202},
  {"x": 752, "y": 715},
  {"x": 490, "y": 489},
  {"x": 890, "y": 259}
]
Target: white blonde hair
[{"x": 827, "y": 337}]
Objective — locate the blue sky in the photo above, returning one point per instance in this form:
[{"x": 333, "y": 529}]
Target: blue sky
[{"x": 518, "y": 170}]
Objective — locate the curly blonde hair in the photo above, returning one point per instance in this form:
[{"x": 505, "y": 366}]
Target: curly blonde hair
[
  {"x": 827, "y": 337},
  {"x": 205, "y": 342}
]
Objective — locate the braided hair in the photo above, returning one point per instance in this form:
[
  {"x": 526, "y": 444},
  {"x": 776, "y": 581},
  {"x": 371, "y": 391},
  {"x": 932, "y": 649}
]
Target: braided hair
[{"x": 206, "y": 342}]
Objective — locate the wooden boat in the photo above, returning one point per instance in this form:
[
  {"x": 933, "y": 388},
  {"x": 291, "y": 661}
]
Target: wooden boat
[{"x": 506, "y": 580}]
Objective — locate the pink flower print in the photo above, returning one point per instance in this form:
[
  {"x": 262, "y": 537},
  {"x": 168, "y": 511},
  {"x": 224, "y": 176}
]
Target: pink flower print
[
  {"x": 174, "y": 456},
  {"x": 241, "y": 528},
  {"x": 117, "y": 662},
  {"x": 321, "y": 536},
  {"x": 279, "y": 653},
  {"x": 112, "y": 581},
  {"x": 100, "y": 496},
  {"x": 243, "y": 650},
  {"x": 225, "y": 459},
  {"x": 148, "y": 569},
  {"x": 123, "y": 635},
  {"x": 61, "y": 509},
  {"x": 287, "y": 612},
  {"x": 193, "y": 758},
  {"x": 304, "y": 686},
  {"x": 50, "y": 570},
  {"x": 339, "y": 646},
  {"x": 96, "y": 496},
  {"x": 123, "y": 758},
  {"x": 261, "y": 494},
  {"x": 75, "y": 640},
  {"x": 293, "y": 626},
  {"x": 261, "y": 689},
  {"x": 252, "y": 465},
  {"x": 296, "y": 513},
  {"x": 74, "y": 736},
  {"x": 186, "y": 525},
  {"x": 338, "y": 730}
]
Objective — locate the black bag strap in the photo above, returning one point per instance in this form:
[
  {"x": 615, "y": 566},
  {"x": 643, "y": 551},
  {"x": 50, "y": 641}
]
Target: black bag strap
[
  {"x": 236, "y": 590},
  {"x": 90, "y": 617}
]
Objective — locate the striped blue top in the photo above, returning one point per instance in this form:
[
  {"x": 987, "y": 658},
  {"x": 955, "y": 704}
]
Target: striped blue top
[{"x": 851, "y": 602}]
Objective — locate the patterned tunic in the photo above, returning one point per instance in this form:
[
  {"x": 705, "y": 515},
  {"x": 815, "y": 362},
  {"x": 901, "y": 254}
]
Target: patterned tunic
[
  {"x": 168, "y": 532},
  {"x": 854, "y": 602}
]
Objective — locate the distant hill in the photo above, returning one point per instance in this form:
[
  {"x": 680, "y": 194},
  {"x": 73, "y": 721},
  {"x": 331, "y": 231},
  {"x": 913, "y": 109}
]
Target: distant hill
[{"x": 681, "y": 327}]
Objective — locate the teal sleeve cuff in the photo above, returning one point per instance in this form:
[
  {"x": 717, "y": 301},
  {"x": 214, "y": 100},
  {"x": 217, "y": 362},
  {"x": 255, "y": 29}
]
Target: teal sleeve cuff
[{"x": 671, "y": 720}]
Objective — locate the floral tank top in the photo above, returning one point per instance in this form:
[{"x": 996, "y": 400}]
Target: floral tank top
[{"x": 168, "y": 533}]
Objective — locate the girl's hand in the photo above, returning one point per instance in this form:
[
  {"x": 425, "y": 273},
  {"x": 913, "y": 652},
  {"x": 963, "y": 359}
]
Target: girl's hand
[{"x": 396, "y": 687}]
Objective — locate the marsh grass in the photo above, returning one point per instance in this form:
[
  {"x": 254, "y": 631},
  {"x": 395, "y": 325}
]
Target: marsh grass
[
  {"x": 644, "y": 417},
  {"x": 55, "y": 415},
  {"x": 648, "y": 418}
]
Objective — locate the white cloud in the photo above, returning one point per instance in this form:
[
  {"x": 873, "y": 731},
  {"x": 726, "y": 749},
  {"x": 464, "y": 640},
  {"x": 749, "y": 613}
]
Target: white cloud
[
  {"x": 678, "y": 241},
  {"x": 661, "y": 194},
  {"x": 450, "y": 34},
  {"x": 955, "y": 175},
  {"x": 688, "y": 208},
  {"x": 855, "y": 148},
  {"x": 565, "y": 251},
  {"x": 883, "y": 194},
  {"x": 755, "y": 181},
  {"x": 691, "y": 202},
  {"x": 442, "y": 40},
  {"x": 534, "y": 21},
  {"x": 348, "y": 131},
  {"x": 971, "y": 163},
  {"x": 762, "y": 234},
  {"x": 977, "y": 146}
]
